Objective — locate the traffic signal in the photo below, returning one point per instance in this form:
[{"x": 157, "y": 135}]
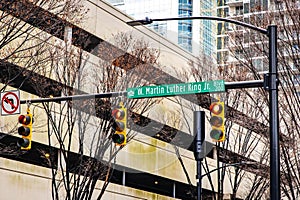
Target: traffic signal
[
  {"x": 119, "y": 126},
  {"x": 217, "y": 121},
  {"x": 25, "y": 131}
]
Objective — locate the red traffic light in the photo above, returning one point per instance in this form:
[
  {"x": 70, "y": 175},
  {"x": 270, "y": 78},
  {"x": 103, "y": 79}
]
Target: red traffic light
[
  {"x": 118, "y": 114},
  {"x": 216, "y": 108},
  {"x": 24, "y": 119}
]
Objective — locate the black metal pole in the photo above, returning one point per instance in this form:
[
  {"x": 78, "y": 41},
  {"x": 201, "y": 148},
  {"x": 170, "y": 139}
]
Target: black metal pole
[
  {"x": 199, "y": 131},
  {"x": 149, "y": 21},
  {"x": 76, "y": 97},
  {"x": 219, "y": 173},
  {"x": 199, "y": 182},
  {"x": 274, "y": 123}
]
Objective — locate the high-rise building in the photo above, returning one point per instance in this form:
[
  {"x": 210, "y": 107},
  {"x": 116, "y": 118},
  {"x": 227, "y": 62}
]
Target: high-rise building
[
  {"x": 248, "y": 11},
  {"x": 195, "y": 36},
  {"x": 230, "y": 37}
]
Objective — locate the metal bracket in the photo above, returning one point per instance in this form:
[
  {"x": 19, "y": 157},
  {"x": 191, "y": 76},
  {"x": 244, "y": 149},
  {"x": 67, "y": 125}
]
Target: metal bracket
[
  {"x": 28, "y": 102},
  {"x": 266, "y": 81}
]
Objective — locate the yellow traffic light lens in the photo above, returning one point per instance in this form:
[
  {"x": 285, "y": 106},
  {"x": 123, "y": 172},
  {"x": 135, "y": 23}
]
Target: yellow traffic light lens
[
  {"x": 24, "y": 131},
  {"x": 216, "y": 121},
  {"x": 216, "y": 108},
  {"x": 118, "y": 126}
]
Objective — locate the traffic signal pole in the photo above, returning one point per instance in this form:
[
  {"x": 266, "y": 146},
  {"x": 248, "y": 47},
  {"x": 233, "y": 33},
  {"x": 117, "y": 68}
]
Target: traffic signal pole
[
  {"x": 199, "y": 132},
  {"x": 271, "y": 86},
  {"x": 273, "y": 115}
]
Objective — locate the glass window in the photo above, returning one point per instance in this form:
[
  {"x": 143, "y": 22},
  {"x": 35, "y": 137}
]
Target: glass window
[
  {"x": 295, "y": 34},
  {"x": 252, "y": 3},
  {"x": 296, "y": 79},
  {"x": 219, "y": 43},
  {"x": 295, "y": 63},
  {"x": 265, "y": 4},
  {"x": 280, "y": 66},
  {"x": 221, "y": 28},
  {"x": 117, "y": 2},
  {"x": 220, "y": 2},
  {"x": 246, "y": 8},
  {"x": 220, "y": 12},
  {"x": 226, "y": 41},
  {"x": 258, "y": 64},
  {"x": 295, "y": 48},
  {"x": 219, "y": 57},
  {"x": 246, "y": 37},
  {"x": 161, "y": 28},
  {"x": 222, "y": 56},
  {"x": 239, "y": 10},
  {"x": 226, "y": 12},
  {"x": 185, "y": 1},
  {"x": 239, "y": 54}
]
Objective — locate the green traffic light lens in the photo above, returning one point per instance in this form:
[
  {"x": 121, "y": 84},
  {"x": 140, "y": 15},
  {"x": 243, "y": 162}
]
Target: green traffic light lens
[
  {"x": 118, "y": 138},
  {"x": 216, "y": 134},
  {"x": 23, "y": 142}
]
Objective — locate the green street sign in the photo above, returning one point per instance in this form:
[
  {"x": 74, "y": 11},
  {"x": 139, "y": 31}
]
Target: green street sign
[{"x": 176, "y": 89}]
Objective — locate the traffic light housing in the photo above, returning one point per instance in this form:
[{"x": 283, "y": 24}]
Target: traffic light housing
[
  {"x": 25, "y": 131},
  {"x": 217, "y": 121},
  {"x": 119, "y": 125}
]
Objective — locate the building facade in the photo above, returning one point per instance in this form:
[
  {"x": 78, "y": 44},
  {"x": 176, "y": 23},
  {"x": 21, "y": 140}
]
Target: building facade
[
  {"x": 241, "y": 11},
  {"x": 195, "y": 36}
]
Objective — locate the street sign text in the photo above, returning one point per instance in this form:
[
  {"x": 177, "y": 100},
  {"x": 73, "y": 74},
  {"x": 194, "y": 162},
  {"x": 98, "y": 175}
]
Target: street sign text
[{"x": 176, "y": 89}]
